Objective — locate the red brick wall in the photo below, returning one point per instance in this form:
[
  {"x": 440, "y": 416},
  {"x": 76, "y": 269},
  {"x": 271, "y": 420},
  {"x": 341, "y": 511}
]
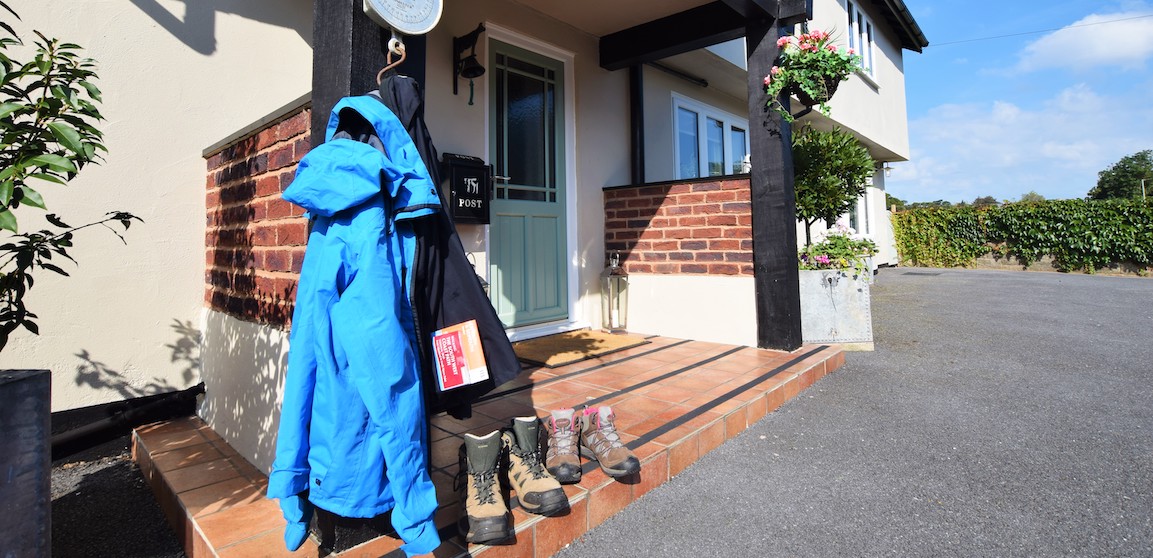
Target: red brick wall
[
  {"x": 699, "y": 227},
  {"x": 254, "y": 241}
]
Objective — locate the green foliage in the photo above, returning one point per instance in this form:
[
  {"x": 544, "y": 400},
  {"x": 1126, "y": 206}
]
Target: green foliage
[
  {"x": 809, "y": 63},
  {"x": 829, "y": 170},
  {"x": 927, "y": 205},
  {"x": 1079, "y": 234},
  {"x": 1031, "y": 197},
  {"x": 47, "y": 121},
  {"x": 892, "y": 201},
  {"x": 1123, "y": 178},
  {"x": 25, "y": 253},
  {"x": 939, "y": 236},
  {"x": 47, "y": 125},
  {"x": 838, "y": 250},
  {"x": 985, "y": 201}
]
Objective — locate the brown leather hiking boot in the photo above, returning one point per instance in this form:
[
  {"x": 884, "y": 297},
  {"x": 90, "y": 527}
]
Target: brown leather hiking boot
[
  {"x": 486, "y": 519},
  {"x": 599, "y": 437},
  {"x": 537, "y": 491},
  {"x": 562, "y": 459}
]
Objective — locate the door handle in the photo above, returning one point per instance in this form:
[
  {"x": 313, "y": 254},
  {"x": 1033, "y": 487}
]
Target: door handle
[{"x": 504, "y": 179}]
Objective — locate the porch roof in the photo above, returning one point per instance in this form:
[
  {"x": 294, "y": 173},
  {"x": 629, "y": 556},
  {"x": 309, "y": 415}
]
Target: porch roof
[{"x": 601, "y": 18}]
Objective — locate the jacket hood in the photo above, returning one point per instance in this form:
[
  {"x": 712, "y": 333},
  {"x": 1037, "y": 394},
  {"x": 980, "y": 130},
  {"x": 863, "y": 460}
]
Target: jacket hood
[
  {"x": 350, "y": 169},
  {"x": 339, "y": 175}
]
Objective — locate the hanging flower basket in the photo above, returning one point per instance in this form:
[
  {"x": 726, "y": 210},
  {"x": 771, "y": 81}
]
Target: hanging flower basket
[
  {"x": 810, "y": 67},
  {"x": 825, "y": 90}
]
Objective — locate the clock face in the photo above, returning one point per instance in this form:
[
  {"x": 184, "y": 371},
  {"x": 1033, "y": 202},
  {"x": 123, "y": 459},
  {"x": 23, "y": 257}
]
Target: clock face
[{"x": 411, "y": 17}]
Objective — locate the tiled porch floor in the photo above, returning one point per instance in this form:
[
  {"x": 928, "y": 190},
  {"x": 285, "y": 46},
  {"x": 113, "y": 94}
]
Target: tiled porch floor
[{"x": 675, "y": 400}]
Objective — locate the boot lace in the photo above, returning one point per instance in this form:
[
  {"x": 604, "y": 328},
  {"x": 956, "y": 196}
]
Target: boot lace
[
  {"x": 531, "y": 459},
  {"x": 482, "y": 482},
  {"x": 562, "y": 441}
]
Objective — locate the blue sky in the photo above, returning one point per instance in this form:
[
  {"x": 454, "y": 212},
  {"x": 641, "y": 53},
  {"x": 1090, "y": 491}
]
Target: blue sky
[{"x": 1027, "y": 111}]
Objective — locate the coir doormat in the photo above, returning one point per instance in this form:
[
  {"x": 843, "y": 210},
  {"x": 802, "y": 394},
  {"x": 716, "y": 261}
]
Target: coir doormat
[{"x": 574, "y": 346}]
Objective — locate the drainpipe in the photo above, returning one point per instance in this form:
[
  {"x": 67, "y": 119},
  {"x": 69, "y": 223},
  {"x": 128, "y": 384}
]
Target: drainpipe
[{"x": 172, "y": 405}]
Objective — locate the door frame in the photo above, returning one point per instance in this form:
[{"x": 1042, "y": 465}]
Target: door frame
[{"x": 576, "y": 318}]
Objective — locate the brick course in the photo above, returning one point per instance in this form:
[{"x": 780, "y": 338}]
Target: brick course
[
  {"x": 254, "y": 241},
  {"x": 703, "y": 227}
]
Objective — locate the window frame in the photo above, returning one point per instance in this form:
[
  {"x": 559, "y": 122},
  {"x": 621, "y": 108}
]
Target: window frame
[
  {"x": 862, "y": 32},
  {"x": 706, "y": 112}
]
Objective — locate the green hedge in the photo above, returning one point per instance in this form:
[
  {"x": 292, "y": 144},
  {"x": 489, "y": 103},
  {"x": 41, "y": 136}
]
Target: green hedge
[{"x": 1079, "y": 234}]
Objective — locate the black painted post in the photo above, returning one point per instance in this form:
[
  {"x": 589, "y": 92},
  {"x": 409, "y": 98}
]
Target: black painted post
[
  {"x": 775, "y": 276},
  {"x": 25, "y": 467},
  {"x": 348, "y": 49}
]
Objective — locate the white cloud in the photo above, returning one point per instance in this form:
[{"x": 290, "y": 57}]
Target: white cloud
[
  {"x": 1002, "y": 149},
  {"x": 1092, "y": 43}
]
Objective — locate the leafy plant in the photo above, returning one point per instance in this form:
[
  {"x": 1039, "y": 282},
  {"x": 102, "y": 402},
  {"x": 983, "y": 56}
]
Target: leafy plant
[
  {"x": 1079, "y": 234},
  {"x": 48, "y": 133},
  {"x": 1123, "y": 178},
  {"x": 838, "y": 250},
  {"x": 809, "y": 64},
  {"x": 829, "y": 171}
]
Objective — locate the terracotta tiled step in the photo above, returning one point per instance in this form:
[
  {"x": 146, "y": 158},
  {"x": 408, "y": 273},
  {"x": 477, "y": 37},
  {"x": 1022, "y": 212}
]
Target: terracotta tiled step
[{"x": 674, "y": 400}]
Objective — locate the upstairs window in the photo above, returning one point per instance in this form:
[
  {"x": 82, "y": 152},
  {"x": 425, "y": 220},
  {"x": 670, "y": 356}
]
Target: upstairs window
[
  {"x": 861, "y": 33},
  {"x": 709, "y": 142}
]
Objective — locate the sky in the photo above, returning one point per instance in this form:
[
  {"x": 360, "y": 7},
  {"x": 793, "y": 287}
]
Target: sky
[{"x": 1018, "y": 96}]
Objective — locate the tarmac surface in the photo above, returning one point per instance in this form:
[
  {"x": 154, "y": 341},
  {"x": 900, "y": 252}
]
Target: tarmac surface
[{"x": 1002, "y": 414}]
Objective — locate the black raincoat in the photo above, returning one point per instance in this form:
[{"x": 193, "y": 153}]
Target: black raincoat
[{"x": 445, "y": 289}]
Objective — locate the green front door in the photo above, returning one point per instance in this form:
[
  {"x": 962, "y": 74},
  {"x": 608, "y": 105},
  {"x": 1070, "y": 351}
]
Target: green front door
[{"x": 528, "y": 273}]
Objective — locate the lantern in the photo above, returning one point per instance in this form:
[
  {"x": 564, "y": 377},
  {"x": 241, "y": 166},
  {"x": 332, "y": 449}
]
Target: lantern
[{"x": 614, "y": 296}]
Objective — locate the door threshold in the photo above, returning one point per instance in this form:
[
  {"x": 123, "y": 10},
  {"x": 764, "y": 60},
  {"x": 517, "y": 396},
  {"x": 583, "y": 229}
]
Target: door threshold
[{"x": 541, "y": 330}]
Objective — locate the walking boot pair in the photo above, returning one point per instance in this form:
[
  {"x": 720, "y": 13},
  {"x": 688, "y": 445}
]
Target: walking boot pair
[
  {"x": 517, "y": 450},
  {"x": 592, "y": 433}
]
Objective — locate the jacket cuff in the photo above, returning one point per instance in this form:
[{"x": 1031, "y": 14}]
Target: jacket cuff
[{"x": 287, "y": 482}]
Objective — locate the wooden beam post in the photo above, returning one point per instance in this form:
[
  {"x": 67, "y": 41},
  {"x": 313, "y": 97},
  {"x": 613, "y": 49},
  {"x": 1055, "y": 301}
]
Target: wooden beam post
[
  {"x": 778, "y": 298},
  {"x": 348, "y": 49}
]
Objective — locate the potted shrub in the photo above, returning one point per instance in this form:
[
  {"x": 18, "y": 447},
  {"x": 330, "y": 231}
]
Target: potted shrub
[
  {"x": 810, "y": 67},
  {"x": 835, "y": 274}
]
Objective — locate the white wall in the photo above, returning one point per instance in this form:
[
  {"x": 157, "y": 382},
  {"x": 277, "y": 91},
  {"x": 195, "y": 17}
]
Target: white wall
[
  {"x": 875, "y": 107},
  {"x": 177, "y": 76},
  {"x": 705, "y": 308}
]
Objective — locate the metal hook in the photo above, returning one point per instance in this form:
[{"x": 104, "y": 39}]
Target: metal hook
[{"x": 395, "y": 46}]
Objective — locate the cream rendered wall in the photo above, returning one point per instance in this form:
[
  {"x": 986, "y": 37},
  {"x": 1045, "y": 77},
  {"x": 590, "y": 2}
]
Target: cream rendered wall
[
  {"x": 176, "y": 76},
  {"x": 659, "y": 118},
  {"x": 874, "y": 108},
  {"x": 598, "y": 133},
  {"x": 245, "y": 363}
]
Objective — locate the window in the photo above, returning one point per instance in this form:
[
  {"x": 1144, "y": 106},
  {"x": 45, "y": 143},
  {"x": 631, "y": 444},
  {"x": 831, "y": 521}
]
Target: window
[
  {"x": 861, "y": 34},
  {"x": 709, "y": 142}
]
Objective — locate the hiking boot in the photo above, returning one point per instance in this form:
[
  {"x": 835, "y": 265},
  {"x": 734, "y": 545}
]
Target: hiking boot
[
  {"x": 562, "y": 460},
  {"x": 600, "y": 439},
  {"x": 486, "y": 519},
  {"x": 537, "y": 491}
]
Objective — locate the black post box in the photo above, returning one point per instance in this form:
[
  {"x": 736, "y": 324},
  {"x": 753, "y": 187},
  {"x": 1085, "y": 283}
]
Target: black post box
[{"x": 469, "y": 186}]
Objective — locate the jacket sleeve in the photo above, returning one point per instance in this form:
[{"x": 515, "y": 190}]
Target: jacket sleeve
[
  {"x": 382, "y": 366},
  {"x": 290, "y": 469}
]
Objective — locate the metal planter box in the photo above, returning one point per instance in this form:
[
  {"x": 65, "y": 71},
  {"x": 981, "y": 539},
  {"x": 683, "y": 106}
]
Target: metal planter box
[{"x": 836, "y": 308}]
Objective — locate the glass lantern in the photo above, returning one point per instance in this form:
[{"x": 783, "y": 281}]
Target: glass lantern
[{"x": 614, "y": 296}]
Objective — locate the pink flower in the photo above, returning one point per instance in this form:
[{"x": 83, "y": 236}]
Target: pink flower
[
  {"x": 781, "y": 42},
  {"x": 822, "y": 259},
  {"x": 768, "y": 79},
  {"x": 852, "y": 51},
  {"x": 831, "y": 48},
  {"x": 774, "y": 70}
]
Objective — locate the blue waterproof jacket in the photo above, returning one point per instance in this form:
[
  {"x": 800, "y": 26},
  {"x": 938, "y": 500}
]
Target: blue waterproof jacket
[{"x": 353, "y": 424}]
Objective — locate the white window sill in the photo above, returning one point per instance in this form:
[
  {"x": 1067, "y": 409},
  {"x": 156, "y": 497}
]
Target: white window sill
[{"x": 868, "y": 79}]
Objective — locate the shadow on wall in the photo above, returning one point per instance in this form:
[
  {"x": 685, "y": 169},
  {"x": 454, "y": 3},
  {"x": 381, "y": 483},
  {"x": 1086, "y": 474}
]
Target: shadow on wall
[
  {"x": 242, "y": 400},
  {"x": 196, "y": 27},
  {"x": 98, "y": 376}
]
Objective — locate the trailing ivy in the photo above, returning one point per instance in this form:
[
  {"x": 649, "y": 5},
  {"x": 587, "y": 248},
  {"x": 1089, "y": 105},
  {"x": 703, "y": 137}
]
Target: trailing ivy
[{"x": 1079, "y": 234}]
